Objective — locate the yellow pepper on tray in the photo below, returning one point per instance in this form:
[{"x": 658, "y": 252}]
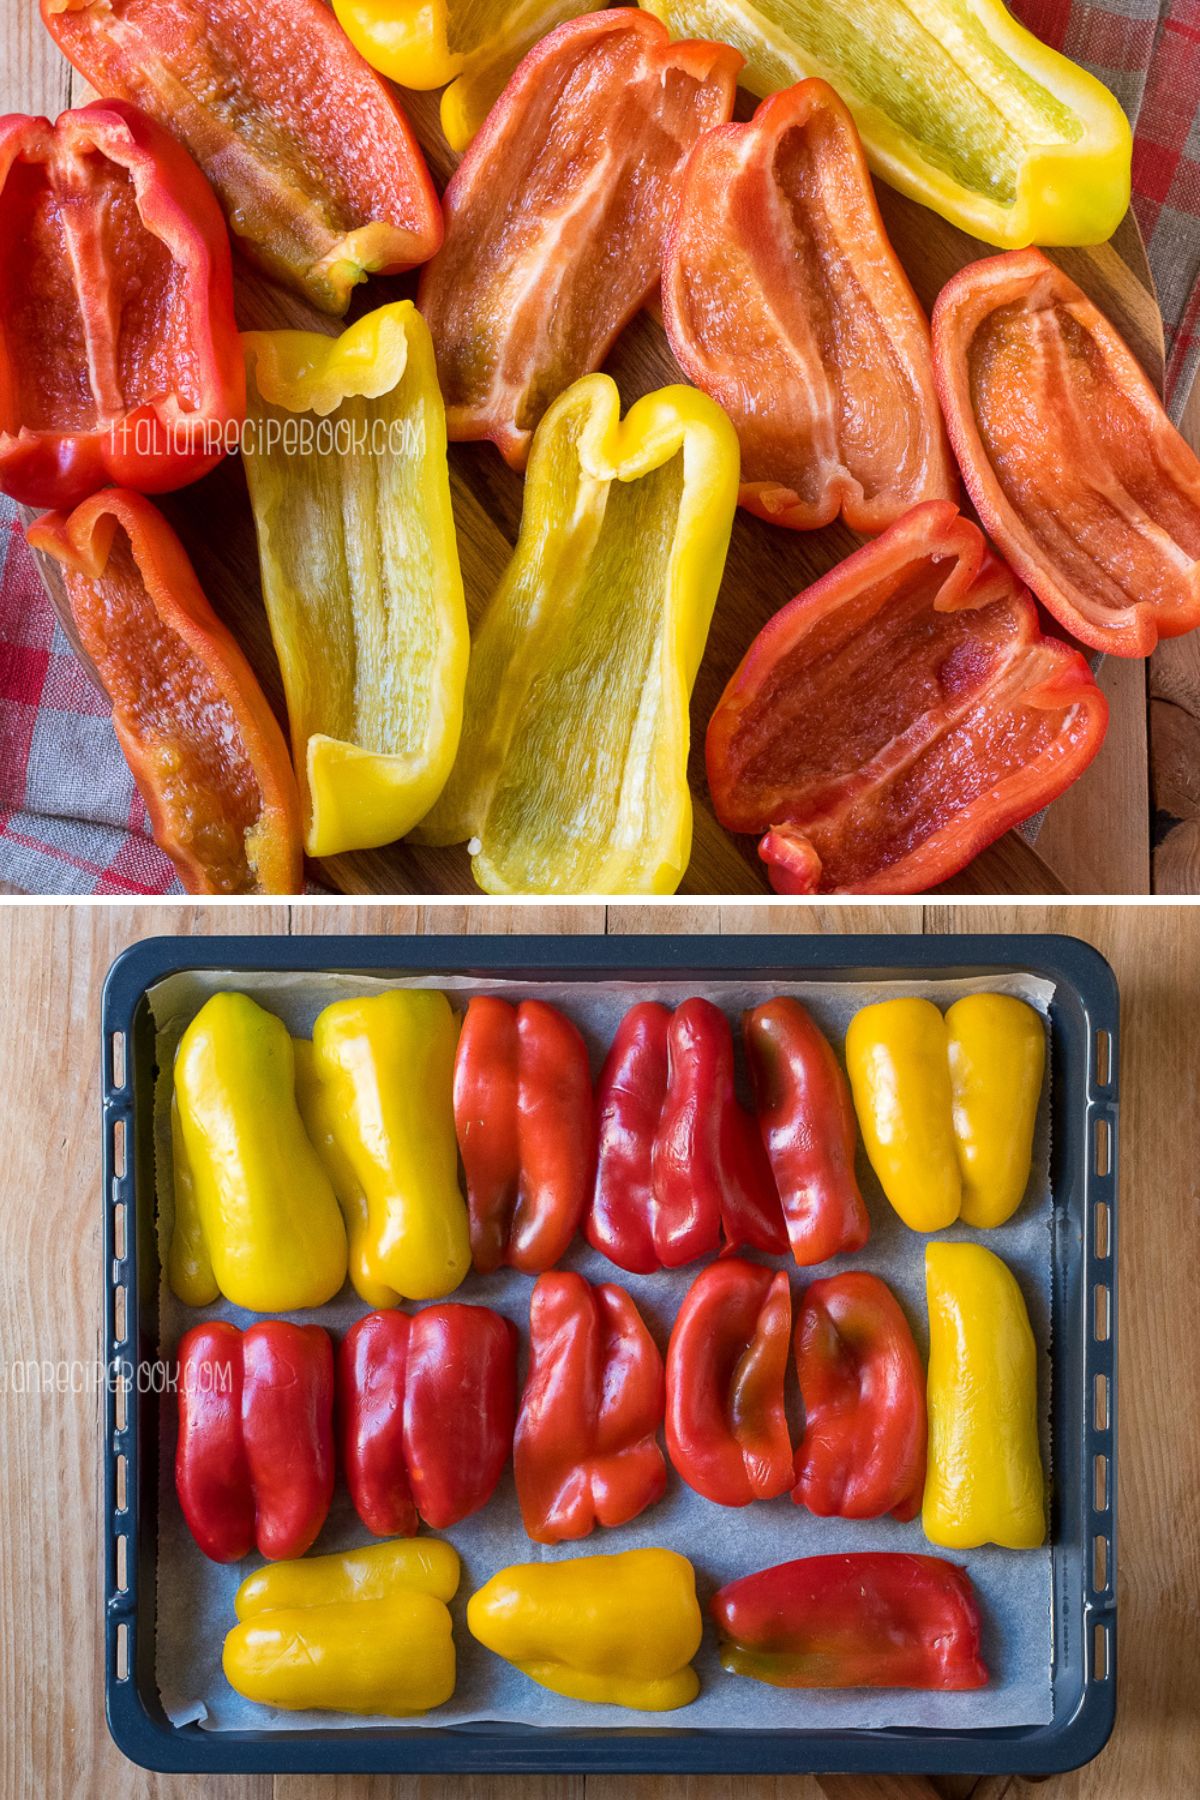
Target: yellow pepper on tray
[
  {"x": 345, "y": 455},
  {"x": 619, "y": 1630},
  {"x": 997, "y": 1050},
  {"x": 958, "y": 106}
]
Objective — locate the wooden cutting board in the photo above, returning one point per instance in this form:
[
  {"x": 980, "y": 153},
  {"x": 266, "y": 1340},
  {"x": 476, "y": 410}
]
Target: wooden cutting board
[{"x": 766, "y": 564}]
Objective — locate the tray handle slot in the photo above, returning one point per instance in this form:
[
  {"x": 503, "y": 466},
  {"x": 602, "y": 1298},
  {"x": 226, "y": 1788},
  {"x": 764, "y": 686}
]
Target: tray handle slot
[
  {"x": 1101, "y": 1660},
  {"x": 116, "y": 1060},
  {"x": 1103, "y": 1058}
]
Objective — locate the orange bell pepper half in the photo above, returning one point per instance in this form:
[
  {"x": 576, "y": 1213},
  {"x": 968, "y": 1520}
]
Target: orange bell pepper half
[
  {"x": 197, "y": 732},
  {"x": 1074, "y": 468},
  {"x": 784, "y": 300},
  {"x": 558, "y": 213},
  {"x": 898, "y": 715}
]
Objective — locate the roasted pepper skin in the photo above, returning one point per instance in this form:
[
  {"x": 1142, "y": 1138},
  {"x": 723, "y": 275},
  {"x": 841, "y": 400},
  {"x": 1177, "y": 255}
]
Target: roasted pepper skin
[
  {"x": 984, "y": 1483},
  {"x": 586, "y": 1451},
  {"x": 870, "y": 1619},
  {"x": 863, "y": 1387},
  {"x": 254, "y": 1457},
  {"x": 268, "y": 1216},
  {"x": 997, "y": 1052},
  {"x": 616, "y": 1630},
  {"x": 427, "y": 1407},
  {"x": 727, "y": 1431},
  {"x": 806, "y": 1118},
  {"x": 900, "y": 1079},
  {"x": 526, "y": 1126}
]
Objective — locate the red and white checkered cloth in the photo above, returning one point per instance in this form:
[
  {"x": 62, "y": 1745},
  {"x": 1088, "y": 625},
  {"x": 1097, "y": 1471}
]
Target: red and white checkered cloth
[{"x": 71, "y": 821}]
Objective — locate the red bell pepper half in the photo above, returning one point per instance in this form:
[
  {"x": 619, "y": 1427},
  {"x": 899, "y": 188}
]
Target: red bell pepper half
[
  {"x": 426, "y": 1408},
  {"x": 863, "y": 1386},
  {"x": 119, "y": 353},
  {"x": 806, "y": 1117},
  {"x": 727, "y": 1432},
  {"x": 586, "y": 1451},
  {"x": 557, "y": 215},
  {"x": 1074, "y": 468},
  {"x": 526, "y": 1132},
  {"x": 784, "y": 300},
  {"x": 896, "y": 717},
  {"x": 254, "y": 1458},
  {"x": 680, "y": 1160},
  {"x": 867, "y": 1619},
  {"x": 321, "y": 179}
]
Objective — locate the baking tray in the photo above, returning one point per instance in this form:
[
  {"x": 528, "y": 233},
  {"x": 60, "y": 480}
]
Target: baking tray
[{"x": 1084, "y": 1097}]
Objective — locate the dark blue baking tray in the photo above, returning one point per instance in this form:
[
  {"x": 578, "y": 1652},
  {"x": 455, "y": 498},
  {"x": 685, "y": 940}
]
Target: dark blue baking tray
[{"x": 1084, "y": 1039}]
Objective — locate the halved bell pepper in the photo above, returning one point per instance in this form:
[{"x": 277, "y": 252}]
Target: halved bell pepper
[
  {"x": 958, "y": 105},
  {"x": 897, "y": 716},
  {"x": 680, "y": 1164},
  {"x": 784, "y": 300},
  {"x": 727, "y": 1432},
  {"x": 321, "y": 178},
  {"x": 868, "y": 1619},
  {"x": 363, "y": 1631},
  {"x": 1074, "y": 468},
  {"x": 806, "y": 1118},
  {"x": 427, "y": 1407},
  {"x": 557, "y": 216},
  {"x": 195, "y": 728},
  {"x": 863, "y": 1387},
  {"x": 572, "y": 772},
  {"x": 586, "y": 1451},
  {"x": 265, "y": 1215},
  {"x": 984, "y": 1483},
  {"x": 254, "y": 1456},
  {"x": 996, "y": 1046},
  {"x": 526, "y": 1131},
  {"x": 119, "y": 360},
  {"x": 616, "y": 1630},
  {"x": 346, "y": 464}
]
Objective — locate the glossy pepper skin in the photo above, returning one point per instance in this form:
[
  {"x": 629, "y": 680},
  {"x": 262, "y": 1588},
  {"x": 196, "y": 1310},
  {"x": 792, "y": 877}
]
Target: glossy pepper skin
[
  {"x": 959, "y": 107},
  {"x": 193, "y": 724},
  {"x": 806, "y": 1118},
  {"x": 897, "y": 716},
  {"x": 615, "y": 1630},
  {"x": 368, "y": 619},
  {"x": 587, "y": 138},
  {"x": 727, "y": 1432},
  {"x": 900, "y": 1079},
  {"x": 996, "y": 1047},
  {"x": 119, "y": 360},
  {"x": 365, "y": 1631},
  {"x": 784, "y": 300},
  {"x": 321, "y": 179},
  {"x": 985, "y": 1483},
  {"x": 863, "y": 1387},
  {"x": 679, "y": 1163},
  {"x": 254, "y": 1456},
  {"x": 586, "y": 1451},
  {"x": 265, "y": 1214},
  {"x": 867, "y": 1619},
  {"x": 526, "y": 1125},
  {"x": 427, "y": 1407},
  {"x": 1075, "y": 470}
]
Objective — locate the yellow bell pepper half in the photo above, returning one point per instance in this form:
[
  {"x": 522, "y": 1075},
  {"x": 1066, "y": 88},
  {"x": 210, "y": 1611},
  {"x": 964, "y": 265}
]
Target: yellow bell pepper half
[
  {"x": 957, "y": 105},
  {"x": 619, "y": 1630},
  {"x": 345, "y": 456},
  {"x": 984, "y": 1482},
  {"x": 366, "y": 1631},
  {"x": 572, "y": 773},
  {"x": 997, "y": 1050},
  {"x": 259, "y": 1221}
]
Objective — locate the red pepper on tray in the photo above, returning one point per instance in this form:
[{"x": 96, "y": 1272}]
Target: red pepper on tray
[
  {"x": 867, "y": 1619},
  {"x": 426, "y": 1408},
  {"x": 863, "y": 1386},
  {"x": 806, "y": 1117},
  {"x": 727, "y": 1432},
  {"x": 254, "y": 1458},
  {"x": 119, "y": 353},
  {"x": 526, "y": 1131},
  {"x": 586, "y": 1451},
  {"x": 680, "y": 1159}
]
